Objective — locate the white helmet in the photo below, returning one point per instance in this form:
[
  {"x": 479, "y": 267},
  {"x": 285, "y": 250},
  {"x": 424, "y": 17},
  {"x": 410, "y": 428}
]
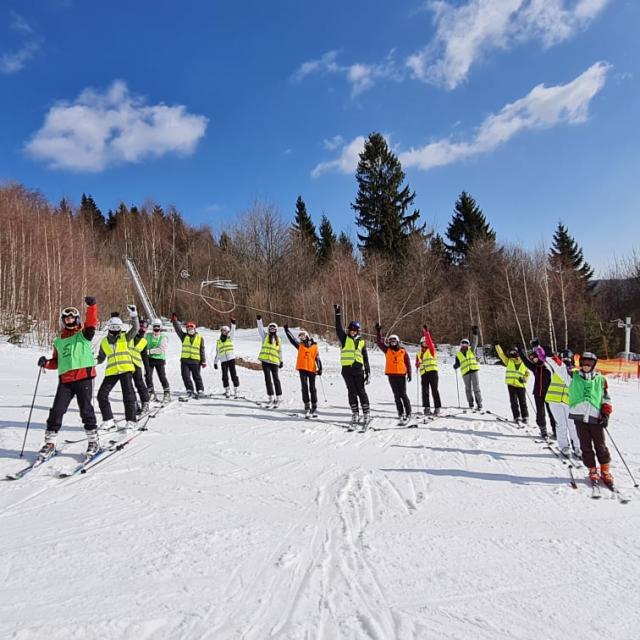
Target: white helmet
[
  {"x": 115, "y": 325},
  {"x": 423, "y": 341},
  {"x": 69, "y": 312},
  {"x": 393, "y": 336},
  {"x": 465, "y": 342},
  {"x": 272, "y": 327},
  {"x": 303, "y": 335},
  {"x": 156, "y": 323},
  {"x": 225, "y": 330}
]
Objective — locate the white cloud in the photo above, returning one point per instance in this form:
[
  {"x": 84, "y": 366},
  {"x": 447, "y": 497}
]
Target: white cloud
[
  {"x": 360, "y": 77},
  {"x": 14, "y": 61},
  {"x": 333, "y": 143},
  {"x": 100, "y": 130},
  {"x": 347, "y": 162},
  {"x": 542, "y": 108},
  {"x": 465, "y": 33},
  {"x": 18, "y": 23}
]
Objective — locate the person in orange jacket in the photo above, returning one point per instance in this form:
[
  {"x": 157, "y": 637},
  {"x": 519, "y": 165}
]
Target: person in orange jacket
[
  {"x": 398, "y": 370},
  {"x": 309, "y": 366}
]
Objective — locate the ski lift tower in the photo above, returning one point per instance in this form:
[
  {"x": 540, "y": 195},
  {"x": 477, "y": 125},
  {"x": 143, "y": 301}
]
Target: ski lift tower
[
  {"x": 140, "y": 290},
  {"x": 626, "y": 325}
]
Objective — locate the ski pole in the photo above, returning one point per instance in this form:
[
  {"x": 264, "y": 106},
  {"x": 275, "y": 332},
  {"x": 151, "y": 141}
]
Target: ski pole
[
  {"x": 635, "y": 484},
  {"x": 418, "y": 390},
  {"x": 26, "y": 431},
  {"x": 322, "y": 387},
  {"x": 458, "y": 390}
]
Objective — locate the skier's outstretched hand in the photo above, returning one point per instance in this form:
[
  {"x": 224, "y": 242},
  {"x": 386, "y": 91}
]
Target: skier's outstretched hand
[
  {"x": 232, "y": 320},
  {"x": 604, "y": 420},
  {"x": 281, "y": 365},
  {"x": 215, "y": 366},
  {"x": 286, "y": 326},
  {"x": 203, "y": 365},
  {"x": 336, "y": 308},
  {"x": 535, "y": 343},
  {"x": 89, "y": 301},
  {"x": 42, "y": 361},
  {"x": 424, "y": 326},
  {"x": 133, "y": 312},
  {"x": 366, "y": 377},
  {"x": 258, "y": 317},
  {"x": 408, "y": 377},
  {"x": 378, "y": 326},
  {"x": 174, "y": 316},
  {"x": 474, "y": 330}
]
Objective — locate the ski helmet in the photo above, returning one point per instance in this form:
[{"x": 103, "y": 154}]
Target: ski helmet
[
  {"x": 465, "y": 342},
  {"x": 393, "y": 338},
  {"x": 354, "y": 325},
  {"x": 423, "y": 341},
  {"x": 566, "y": 355},
  {"x": 513, "y": 353},
  {"x": 69, "y": 312},
  {"x": 586, "y": 356},
  {"x": 144, "y": 324},
  {"x": 273, "y": 327},
  {"x": 114, "y": 325},
  {"x": 190, "y": 327},
  {"x": 156, "y": 325},
  {"x": 303, "y": 335},
  {"x": 225, "y": 330}
]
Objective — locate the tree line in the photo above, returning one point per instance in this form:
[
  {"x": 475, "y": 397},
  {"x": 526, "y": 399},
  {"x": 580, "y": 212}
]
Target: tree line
[{"x": 398, "y": 271}]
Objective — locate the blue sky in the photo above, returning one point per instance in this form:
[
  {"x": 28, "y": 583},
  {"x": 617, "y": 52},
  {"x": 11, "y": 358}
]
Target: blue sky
[{"x": 530, "y": 105}]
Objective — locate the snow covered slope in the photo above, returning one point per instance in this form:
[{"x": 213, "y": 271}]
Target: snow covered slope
[{"x": 226, "y": 520}]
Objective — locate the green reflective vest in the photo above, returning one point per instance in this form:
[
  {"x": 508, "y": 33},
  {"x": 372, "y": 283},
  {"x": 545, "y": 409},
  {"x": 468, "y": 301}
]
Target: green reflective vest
[
  {"x": 351, "y": 353},
  {"x": 136, "y": 349},
  {"x": 515, "y": 374},
  {"x": 558, "y": 392},
  {"x": 270, "y": 351},
  {"x": 225, "y": 348},
  {"x": 583, "y": 390},
  {"x": 118, "y": 356},
  {"x": 191, "y": 347},
  {"x": 74, "y": 352},
  {"x": 154, "y": 342},
  {"x": 467, "y": 362},
  {"x": 427, "y": 362}
]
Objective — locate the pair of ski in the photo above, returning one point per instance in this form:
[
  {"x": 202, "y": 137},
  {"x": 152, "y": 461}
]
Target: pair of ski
[{"x": 200, "y": 396}]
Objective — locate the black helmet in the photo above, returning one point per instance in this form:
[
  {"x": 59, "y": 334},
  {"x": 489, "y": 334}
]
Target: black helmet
[
  {"x": 354, "y": 325},
  {"x": 587, "y": 355}
]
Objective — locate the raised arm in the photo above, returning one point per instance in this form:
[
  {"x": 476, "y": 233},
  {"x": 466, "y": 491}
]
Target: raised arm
[
  {"x": 135, "y": 322},
  {"x": 176, "y": 326},
  {"x": 525, "y": 359},
  {"x": 501, "y": 355},
  {"x": 342, "y": 336},
  {"x": 260, "y": 327},
  {"x": 380, "y": 340},
  {"x": 232, "y": 333},
  {"x": 475, "y": 335},
  {"x": 289, "y": 335},
  {"x": 427, "y": 337},
  {"x": 90, "y": 318}
]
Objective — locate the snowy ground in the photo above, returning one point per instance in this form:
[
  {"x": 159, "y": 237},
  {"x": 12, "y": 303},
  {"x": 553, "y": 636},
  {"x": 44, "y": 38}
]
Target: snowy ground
[{"x": 229, "y": 521}]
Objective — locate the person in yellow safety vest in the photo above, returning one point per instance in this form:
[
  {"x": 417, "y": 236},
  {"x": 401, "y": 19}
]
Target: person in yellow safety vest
[
  {"x": 427, "y": 366},
  {"x": 516, "y": 378},
  {"x": 114, "y": 348},
  {"x": 561, "y": 368},
  {"x": 270, "y": 357},
  {"x": 226, "y": 356},
  {"x": 140, "y": 357},
  {"x": 469, "y": 368},
  {"x": 192, "y": 357},
  {"x": 354, "y": 359},
  {"x": 309, "y": 366}
]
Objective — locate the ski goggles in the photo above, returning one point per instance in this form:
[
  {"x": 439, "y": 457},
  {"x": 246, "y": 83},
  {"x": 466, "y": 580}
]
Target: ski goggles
[{"x": 69, "y": 312}]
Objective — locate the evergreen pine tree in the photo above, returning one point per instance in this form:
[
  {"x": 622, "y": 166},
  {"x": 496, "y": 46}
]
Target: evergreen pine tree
[
  {"x": 225, "y": 242},
  {"x": 91, "y": 215},
  {"x": 467, "y": 226},
  {"x": 327, "y": 241},
  {"x": 303, "y": 226},
  {"x": 566, "y": 254},
  {"x": 64, "y": 208},
  {"x": 344, "y": 243},
  {"x": 382, "y": 203}
]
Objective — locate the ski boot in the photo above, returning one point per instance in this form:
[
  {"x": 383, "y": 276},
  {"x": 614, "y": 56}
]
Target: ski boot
[
  {"x": 138, "y": 409},
  {"x": 93, "y": 444},
  {"x": 366, "y": 420},
  {"x": 108, "y": 425},
  {"x": 49, "y": 447},
  {"x": 437, "y": 411},
  {"x": 606, "y": 476},
  {"x": 307, "y": 412},
  {"x": 566, "y": 451},
  {"x": 126, "y": 427},
  {"x": 152, "y": 396},
  {"x": 276, "y": 402},
  {"x": 166, "y": 398},
  {"x": 355, "y": 419},
  {"x": 428, "y": 411},
  {"x": 190, "y": 394},
  {"x": 235, "y": 393},
  {"x": 525, "y": 420},
  {"x": 402, "y": 420},
  {"x": 314, "y": 411},
  {"x": 227, "y": 392},
  {"x": 593, "y": 475},
  {"x": 144, "y": 408}
]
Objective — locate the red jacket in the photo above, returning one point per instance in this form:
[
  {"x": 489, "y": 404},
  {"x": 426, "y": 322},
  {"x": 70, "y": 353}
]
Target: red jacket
[{"x": 88, "y": 331}]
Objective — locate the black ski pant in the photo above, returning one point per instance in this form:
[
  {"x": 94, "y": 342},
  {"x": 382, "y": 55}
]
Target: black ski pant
[
  {"x": 271, "y": 378},
  {"x": 354, "y": 379},
  {"x": 190, "y": 369},
  {"x": 429, "y": 380},
  {"x": 518, "y": 400},
  {"x": 140, "y": 385},
  {"x": 155, "y": 364},
  {"x": 82, "y": 390},
  {"x": 128, "y": 396},
  {"x": 542, "y": 408},
  {"x": 309, "y": 393},
  {"x": 592, "y": 437},
  {"x": 229, "y": 369},
  {"x": 399, "y": 387}
]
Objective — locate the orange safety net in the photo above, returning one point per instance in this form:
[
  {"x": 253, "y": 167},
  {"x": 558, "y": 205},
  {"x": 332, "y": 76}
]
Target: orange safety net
[{"x": 619, "y": 367}]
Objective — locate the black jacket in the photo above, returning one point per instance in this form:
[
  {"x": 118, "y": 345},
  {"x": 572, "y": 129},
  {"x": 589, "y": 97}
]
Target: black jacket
[{"x": 541, "y": 375}]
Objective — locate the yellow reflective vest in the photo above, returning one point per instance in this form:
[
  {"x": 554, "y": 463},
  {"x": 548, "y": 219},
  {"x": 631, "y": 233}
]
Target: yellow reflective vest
[
  {"x": 270, "y": 351},
  {"x": 427, "y": 362},
  {"x": 191, "y": 347},
  {"x": 351, "y": 353},
  {"x": 467, "y": 361},
  {"x": 136, "y": 349},
  {"x": 119, "y": 358},
  {"x": 558, "y": 391},
  {"x": 516, "y": 376}
]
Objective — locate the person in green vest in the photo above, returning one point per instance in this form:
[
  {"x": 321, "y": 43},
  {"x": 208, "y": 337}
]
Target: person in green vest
[
  {"x": 468, "y": 364},
  {"x": 225, "y": 355},
  {"x": 427, "y": 366},
  {"x": 270, "y": 357},
  {"x": 157, "y": 343},
  {"x": 140, "y": 357},
  {"x": 74, "y": 360},
  {"x": 114, "y": 348},
  {"x": 516, "y": 378},
  {"x": 192, "y": 357}
]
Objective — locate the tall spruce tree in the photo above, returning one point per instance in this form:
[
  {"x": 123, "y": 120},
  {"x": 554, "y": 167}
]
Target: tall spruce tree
[
  {"x": 382, "y": 203},
  {"x": 467, "y": 226},
  {"x": 344, "y": 243},
  {"x": 327, "y": 241},
  {"x": 566, "y": 254},
  {"x": 303, "y": 226},
  {"x": 91, "y": 215}
]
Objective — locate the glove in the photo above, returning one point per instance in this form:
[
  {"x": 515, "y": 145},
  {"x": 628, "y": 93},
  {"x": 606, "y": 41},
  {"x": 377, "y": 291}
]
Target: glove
[
  {"x": 115, "y": 314},
  {"x": 89, "y": 301},
  {"x": 133, "y": 312},
  {"x": 174, "y": 317},
  {"x": 286, "y": 327},
  {"x": 604, "y": 420},
  {"x": 215, "y": 366},
  {"x": 232, "y": 320},
  {"x": 535, "y": 343},
  {"x": 203, "y": 365},
  {"x": 519, "y": 346},
  {"x": 281, "y": 365},
  {"x": 522, "y": 380},
  {"x": 408, "y": 377},
  {"x": 336, "y": 308},
  {"x": 366, "y": 377},
  {"x": 474, "y": 330},
  {"x": 155, "y": 350},
  {"x": 378, "y": 326},
  {"x": 258, "y": 317},
  {"x": 319, "y": 372},
  {"x": 42, "y": 361},
  {"x": 424, "y": 326}
]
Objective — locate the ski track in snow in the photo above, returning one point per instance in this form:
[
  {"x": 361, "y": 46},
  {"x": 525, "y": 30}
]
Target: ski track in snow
[{"x": 227, "y": 520}]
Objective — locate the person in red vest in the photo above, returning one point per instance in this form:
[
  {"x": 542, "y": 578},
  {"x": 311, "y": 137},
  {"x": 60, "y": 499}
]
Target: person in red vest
[
  {"x": 309, "y": 366},
  {"x": 398, "y": 370},
  {"x": 73, "y": 358}
]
